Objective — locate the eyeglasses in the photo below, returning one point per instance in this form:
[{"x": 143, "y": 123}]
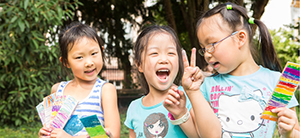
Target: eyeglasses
[{"x": 210, "y": 47}]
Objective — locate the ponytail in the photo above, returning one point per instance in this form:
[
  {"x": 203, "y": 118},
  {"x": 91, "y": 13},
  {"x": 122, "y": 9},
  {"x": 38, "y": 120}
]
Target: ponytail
[{"x": 268, "y": 54}]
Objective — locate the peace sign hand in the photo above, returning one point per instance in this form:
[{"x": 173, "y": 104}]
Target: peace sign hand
[{"x": 193, "y": 76}]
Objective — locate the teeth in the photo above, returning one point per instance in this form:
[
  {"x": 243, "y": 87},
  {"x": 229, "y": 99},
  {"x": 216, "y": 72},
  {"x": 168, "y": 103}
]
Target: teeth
[
  {"x": 90, "y": 71},
  {"x": 164, "y": 70}
]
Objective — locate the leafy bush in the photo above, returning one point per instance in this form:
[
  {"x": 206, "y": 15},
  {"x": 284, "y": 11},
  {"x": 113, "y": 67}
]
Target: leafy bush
[
  {"x": 286, "y": 48},
  {"x": 29, "y": 66}
]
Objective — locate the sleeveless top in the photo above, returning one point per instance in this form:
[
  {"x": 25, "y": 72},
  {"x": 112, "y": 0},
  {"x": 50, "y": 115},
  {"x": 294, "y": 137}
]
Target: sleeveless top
[{"x": 91, "y": 105}]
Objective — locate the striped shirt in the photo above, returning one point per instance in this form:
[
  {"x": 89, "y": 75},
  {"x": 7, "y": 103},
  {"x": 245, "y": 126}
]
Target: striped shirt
[{"x": 91, "y": 105}]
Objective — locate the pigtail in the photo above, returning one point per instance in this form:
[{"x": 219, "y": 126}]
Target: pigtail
[{"x": 268, "y": 54}]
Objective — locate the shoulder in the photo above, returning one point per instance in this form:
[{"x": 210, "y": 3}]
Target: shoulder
[
  {"x": 108, "y": 92},
  {"x": 108, "y": 87},
  {"x": 270, "y": 73},
  {"x": 134, "y": 104},
  {"x": 54, "y": 87}
]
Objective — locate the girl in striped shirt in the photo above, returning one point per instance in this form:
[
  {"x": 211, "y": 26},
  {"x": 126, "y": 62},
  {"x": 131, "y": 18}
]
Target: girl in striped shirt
[{"x": 82, "y": 51}]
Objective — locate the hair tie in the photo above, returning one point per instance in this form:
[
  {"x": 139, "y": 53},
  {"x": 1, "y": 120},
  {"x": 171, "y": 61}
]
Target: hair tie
[
  {"x": 229, "y": 7},
  {"x": 251, "y": 20}
]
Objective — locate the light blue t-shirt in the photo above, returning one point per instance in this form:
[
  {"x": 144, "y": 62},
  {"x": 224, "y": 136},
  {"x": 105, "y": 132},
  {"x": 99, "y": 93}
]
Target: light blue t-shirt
[
  {"x": 238, "y": 101},
  {"x": 152, "y": 121}
]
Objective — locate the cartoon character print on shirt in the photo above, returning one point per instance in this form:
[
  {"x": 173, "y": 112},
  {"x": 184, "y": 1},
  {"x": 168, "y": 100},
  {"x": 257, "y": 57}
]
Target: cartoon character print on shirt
[
  {"x": 155, "y": 126},
  {"x": 240, "y": 114}
]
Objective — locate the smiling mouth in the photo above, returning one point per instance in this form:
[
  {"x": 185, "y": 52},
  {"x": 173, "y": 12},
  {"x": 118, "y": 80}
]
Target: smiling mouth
[
  {"x": 163, "y": 74},
  {"x": 89, "y": 71}
]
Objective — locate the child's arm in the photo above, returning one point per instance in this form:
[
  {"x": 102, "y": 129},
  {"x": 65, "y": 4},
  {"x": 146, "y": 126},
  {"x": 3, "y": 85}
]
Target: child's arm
[
  {"x": 175, "y": 103},
  {"x": 207, "y": 122},
  {"x": 110, "y": 109},
  {"x": 132, "y": 133},
  {"x": 288, "y": 124}
]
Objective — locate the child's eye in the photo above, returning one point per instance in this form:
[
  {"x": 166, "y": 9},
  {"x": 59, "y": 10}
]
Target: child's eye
[
  {"x": 172, "y": 53},
  {"x": 79, "y": 57},
  {"x": 153, "y": 53},
  {"x": 94, "y": 53}
]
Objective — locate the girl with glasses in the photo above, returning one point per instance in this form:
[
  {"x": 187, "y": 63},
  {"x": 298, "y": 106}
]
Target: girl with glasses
[{"x": 241, "y": 87}]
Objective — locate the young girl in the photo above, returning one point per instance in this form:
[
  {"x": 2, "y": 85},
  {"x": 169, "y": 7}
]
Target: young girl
[
  {"x": 82, "y": 51},
  {"x": 241, "y": 88},
  {"x": 159, "y": 60}
]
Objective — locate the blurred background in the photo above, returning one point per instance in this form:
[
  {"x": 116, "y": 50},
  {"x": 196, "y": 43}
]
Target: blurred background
[{"x": 29, "y": 53}]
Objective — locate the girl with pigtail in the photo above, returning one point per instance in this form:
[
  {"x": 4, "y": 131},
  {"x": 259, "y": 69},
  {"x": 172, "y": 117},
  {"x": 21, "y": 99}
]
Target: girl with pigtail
[{"x": 241, "y": 87}]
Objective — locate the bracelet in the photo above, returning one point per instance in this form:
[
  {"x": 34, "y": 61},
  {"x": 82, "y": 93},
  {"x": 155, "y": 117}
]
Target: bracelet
[{"x": 179, "y": 121}]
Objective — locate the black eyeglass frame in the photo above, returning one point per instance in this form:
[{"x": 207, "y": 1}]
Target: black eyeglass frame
[{"x": 210, "y": 47}]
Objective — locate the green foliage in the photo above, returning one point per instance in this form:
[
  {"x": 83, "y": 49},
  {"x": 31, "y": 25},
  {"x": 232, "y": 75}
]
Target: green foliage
[
  {"x": 286, "y": 48},
  {"x": 29, "y": 66}
]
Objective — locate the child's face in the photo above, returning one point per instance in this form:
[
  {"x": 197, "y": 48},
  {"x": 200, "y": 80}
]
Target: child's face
[
  {"x": 225, "y": 57},
  {"x": 160, "y": 62},
  {"x": 85, "y": 59}
]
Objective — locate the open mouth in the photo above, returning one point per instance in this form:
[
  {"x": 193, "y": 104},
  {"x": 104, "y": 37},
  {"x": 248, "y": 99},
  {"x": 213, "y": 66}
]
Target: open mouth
[
  {"x": 163, "y": 74},
  {"x": 215, "y": 64}
]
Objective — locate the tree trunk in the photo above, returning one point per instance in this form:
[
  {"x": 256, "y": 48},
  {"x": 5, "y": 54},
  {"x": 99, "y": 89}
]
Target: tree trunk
[
  {"x": 169, "y": 15},
  {"x": 258, "y": 9}
]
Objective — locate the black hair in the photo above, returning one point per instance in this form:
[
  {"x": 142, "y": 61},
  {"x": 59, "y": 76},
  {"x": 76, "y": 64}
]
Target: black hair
[
  {"x": 141, "y": 45},
  {"x": 237, "y": 17},
  {"x": 74, "y": 32}
]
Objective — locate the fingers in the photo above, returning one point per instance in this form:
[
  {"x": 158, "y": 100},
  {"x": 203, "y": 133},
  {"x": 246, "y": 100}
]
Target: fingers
[
  {"x": 44, "y": 131},
  {"x": 185, "y": 60},
  {"x": 173, "y": 97},
  {"x": 108, "y": 133},
  {"x": 197, "y": 74},
  {"x": 193, "y": 58},
  {"x": 284, "y": 112},
  {"x": 286, "y": 118}
]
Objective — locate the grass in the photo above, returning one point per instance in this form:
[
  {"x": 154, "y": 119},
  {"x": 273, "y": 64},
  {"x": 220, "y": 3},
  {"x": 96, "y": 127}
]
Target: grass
[{"x": 31, "y": 130}]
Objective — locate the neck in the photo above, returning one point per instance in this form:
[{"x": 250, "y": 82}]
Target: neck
[
  {"x": 154, "y": 97},
  {"x": 83, "y": 84},
  {"x": 247, "y": 67}
]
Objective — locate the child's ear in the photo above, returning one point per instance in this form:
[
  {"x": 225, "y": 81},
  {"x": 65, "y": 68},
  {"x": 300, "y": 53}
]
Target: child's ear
[
  {"x": 102, "y": 48},
  {"x": 66, "y": 65},
  {"x": 139, "y": 67},
  {"x": 242, "y": 38}
]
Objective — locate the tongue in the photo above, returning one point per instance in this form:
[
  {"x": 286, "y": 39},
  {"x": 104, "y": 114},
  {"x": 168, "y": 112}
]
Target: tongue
[{"x": 162, "y": 75}]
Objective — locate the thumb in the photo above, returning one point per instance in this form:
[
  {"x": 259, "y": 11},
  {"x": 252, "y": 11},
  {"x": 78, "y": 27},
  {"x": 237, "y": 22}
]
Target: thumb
[{"x": 189, "y": 71}]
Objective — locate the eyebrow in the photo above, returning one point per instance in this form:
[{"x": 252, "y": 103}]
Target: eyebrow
[{"x": 207, "y": 40}]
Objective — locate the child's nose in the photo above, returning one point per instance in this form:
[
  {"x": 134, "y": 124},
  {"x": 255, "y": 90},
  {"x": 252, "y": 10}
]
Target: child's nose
[
  {"x": 163, "y": 60},
  {"x": 89, "y": 63},
  {"x": 207, "y": 54}
]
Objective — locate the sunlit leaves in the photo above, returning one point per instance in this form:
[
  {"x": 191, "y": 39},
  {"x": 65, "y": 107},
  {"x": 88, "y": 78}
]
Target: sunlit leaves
[{"x": 28, "y": 67}]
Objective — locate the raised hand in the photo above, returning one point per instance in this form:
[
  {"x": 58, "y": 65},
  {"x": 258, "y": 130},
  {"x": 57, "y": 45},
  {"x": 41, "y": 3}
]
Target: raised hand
[
  {"x": 175, "y": 102},
  {"x": 193, "y": 76}
]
